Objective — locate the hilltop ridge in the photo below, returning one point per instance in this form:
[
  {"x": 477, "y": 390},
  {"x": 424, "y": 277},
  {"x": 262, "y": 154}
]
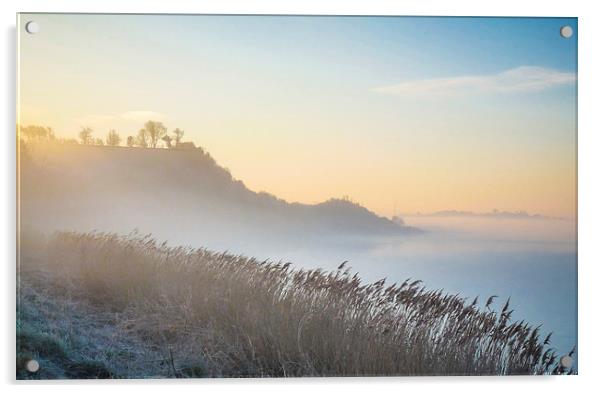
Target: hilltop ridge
[{"x": 172, "y": 191}]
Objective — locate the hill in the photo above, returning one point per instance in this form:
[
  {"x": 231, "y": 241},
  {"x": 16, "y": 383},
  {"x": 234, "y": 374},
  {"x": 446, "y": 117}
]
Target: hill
[{"x": 180, "y": 195}]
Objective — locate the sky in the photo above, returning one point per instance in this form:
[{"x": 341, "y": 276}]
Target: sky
[{"x": 400, "y": 114}]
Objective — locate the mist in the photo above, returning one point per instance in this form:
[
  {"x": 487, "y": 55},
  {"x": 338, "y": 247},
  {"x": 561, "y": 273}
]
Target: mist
[{"x": 185, "y": 198}]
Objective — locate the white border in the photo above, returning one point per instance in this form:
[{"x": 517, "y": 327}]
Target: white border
[{"x": 590, "y": 180}]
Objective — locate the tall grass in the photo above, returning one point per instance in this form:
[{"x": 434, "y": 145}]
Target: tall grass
[{"x": 217, "y": 314}]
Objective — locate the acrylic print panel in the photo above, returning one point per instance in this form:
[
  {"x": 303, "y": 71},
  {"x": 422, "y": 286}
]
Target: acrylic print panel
[{"x": 284, "y": 196}]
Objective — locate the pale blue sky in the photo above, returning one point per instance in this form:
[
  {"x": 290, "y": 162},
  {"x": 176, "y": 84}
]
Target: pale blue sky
[{"x": 427, "y": 111}]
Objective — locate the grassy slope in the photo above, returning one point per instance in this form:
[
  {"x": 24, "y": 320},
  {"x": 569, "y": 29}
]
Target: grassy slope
[
  {"x": 111, "y": 306},
  {"x": 72, "y": 338}
]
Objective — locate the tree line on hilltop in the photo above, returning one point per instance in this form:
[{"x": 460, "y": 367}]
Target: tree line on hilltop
[{"x": 152, "y": 135}]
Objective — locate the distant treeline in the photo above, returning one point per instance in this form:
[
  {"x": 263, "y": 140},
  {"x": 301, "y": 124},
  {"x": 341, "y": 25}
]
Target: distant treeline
[{"x": 153, "y": 134}]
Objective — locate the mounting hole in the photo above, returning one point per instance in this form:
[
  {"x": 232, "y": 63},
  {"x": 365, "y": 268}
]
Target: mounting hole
[
  {"x": 566, "y": 361},
  {"x": 32, "y": 27},
  {"x": 32, "y": 366},
  {"x": 566, "y": 31}
]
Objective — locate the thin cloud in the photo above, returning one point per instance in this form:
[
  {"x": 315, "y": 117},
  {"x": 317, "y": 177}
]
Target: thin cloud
[{"x": 516, "y": 80}]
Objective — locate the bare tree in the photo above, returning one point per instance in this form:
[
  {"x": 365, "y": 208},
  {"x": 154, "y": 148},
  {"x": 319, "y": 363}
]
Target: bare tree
[
  {"x": 37, "y": 133},
  {"x": 142, "y": 138},
  {"x": 85, "y": 135},
  {"x": 131, "y": 141},
  {"x": 155, "y": 131},
  {"x": 167, "y": 139},
  {"x": 113, "y": 138},
  {"x": 178, "y": 134}
]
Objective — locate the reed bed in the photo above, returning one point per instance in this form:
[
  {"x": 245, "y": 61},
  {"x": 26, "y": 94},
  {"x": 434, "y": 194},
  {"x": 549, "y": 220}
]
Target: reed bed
[{"x": 222, "y": 315}]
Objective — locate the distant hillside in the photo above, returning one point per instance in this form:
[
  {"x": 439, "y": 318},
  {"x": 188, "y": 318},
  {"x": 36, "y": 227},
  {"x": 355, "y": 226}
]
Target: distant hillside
[
  {"x": 500, "y": 214},
  {"x": 181, "y": 195}
]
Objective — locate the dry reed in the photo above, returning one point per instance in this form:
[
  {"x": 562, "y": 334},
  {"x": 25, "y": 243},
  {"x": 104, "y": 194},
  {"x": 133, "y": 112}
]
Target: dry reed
[{"x": 217, "y": 314}]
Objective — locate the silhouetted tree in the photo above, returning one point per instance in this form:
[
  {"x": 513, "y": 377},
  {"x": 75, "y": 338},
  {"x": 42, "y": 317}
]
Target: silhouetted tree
[
  {"x": 85, "y": 136},
  {"x": 142, "y": 138},
  {"x": 167, "y": 139},
  {"x": 32, "y": 133},
  {"x": 37, "y": 133},
  {"x": 178, "y": 134},
  {"x": 99, "y": 142},
  {"x": 113, "y": 138},
  {"x": 131, "y": 141},
  {"x": 155, "y": 131}
]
